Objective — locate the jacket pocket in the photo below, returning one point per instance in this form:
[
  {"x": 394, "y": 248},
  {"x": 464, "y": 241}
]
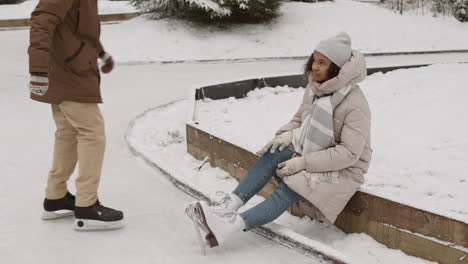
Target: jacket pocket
[{"x": 78, "y": 62}]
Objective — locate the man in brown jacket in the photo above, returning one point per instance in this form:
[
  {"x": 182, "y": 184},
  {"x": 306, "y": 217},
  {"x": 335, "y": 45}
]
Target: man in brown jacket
[{"x": 63, "y": 53}]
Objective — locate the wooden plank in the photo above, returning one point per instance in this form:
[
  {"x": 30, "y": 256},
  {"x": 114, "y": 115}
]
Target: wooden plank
[
  {"x": 415, "y": 245},
  {"x": 12, "y": 23},
  {"x": 405, "y": 217}
]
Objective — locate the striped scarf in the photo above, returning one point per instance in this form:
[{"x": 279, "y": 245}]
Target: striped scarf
[{"x": 317, "y": 132}]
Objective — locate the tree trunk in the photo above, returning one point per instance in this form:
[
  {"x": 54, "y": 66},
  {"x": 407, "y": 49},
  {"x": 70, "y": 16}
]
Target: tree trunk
[{"x": 422, "y": 7}]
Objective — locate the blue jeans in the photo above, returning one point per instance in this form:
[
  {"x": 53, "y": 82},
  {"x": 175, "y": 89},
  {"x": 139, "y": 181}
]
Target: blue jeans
[{"x": 257, "y": 177}]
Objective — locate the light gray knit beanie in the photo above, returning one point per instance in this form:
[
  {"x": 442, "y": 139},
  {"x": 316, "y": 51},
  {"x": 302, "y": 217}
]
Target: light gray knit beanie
[{"x": 336, "y": 48}]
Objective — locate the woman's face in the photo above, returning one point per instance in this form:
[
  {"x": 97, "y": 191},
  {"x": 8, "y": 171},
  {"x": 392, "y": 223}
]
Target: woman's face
[{"x": 320, "y": 67}]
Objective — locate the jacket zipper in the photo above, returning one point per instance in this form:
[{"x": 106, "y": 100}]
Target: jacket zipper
[{"x": 75, "y": 54}]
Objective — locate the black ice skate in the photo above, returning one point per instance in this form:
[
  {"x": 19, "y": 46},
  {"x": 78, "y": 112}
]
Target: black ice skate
[
  {"x": 98, "y": 217},
  {"x": 59, "y": 208}
]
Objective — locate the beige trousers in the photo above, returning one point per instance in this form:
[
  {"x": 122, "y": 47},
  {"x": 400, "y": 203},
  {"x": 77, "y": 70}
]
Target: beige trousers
[{"x": 80, "y": 137}]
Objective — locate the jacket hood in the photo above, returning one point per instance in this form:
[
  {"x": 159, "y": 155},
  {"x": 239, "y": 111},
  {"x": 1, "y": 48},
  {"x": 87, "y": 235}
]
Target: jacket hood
[{"x": 352, "y": 72}]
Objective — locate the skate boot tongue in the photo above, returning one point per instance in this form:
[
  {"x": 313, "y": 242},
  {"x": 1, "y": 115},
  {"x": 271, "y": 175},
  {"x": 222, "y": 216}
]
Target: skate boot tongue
[{"x": 228, "y": 204}]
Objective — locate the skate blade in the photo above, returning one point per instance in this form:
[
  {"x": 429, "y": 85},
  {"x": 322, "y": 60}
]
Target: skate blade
[
  {"x": 193, "y": 214},
  {"x": 202, "y": 245},
  {"x": 210, "y": 238},
  {"x": 90, "y": 225},
  {"x": 46, "y": 215}
]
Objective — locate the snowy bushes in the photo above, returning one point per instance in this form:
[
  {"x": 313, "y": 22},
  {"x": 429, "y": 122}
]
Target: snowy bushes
[
  {"x": 5, "y": 2},
  {"x": 443, "y": 7},
  {"x": 234, "y": 11},
  {"x": 457, "y": 8},
  {"x": 460, "y": 10}
]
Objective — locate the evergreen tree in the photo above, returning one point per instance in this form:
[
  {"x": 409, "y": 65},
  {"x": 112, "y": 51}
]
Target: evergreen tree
[{"x": 233, "y": 11}]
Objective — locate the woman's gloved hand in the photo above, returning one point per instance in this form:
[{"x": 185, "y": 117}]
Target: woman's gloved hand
[
  {"x": 279, "y": 142},
  {"x": 290, "y": 167}
]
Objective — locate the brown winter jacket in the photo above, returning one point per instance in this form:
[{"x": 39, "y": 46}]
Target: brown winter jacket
[
  {"x": 64, "y": 42},
  {"x": 350, "y": 156}
]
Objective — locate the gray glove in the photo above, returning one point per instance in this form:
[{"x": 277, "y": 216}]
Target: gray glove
[
  {"x": 290, "y": 167},
  {"x": 279, "y": 142}
]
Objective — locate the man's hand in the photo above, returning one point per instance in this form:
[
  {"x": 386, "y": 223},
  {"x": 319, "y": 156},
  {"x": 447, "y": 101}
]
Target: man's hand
[
  {"x": 279, "y": 142},
  {"x": 290, "y": 167},
  {"x": 39, "y": 83},
  {"x": 108, "y": 63}
]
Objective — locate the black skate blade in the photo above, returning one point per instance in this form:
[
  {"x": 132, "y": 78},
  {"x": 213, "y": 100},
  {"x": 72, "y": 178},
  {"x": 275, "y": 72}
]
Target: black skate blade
[
  {"x": 49, "y": 215},
  {"x": 94, "y": 225}
]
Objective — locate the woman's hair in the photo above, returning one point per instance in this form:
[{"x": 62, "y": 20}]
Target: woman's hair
[{"x": 333, "y": 70}]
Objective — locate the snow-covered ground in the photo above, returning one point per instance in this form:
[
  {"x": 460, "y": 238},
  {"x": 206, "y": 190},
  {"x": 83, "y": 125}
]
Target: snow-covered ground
[
  {"x": 158, "y": 231},
  {"x": 418, "y": 132},
  {"x": 294, "y": 33},
  {"x": 24, "y": 9}
]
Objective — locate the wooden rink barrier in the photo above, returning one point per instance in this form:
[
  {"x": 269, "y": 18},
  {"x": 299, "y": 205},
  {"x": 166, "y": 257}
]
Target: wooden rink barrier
[
  {"x": 414, "y": 231},
  {"x": 390, "y": 223}
]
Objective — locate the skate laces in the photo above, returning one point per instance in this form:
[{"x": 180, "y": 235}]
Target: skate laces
[
  {"x": 224, "y": 201},
  {"x": 105, "y": 210}
]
